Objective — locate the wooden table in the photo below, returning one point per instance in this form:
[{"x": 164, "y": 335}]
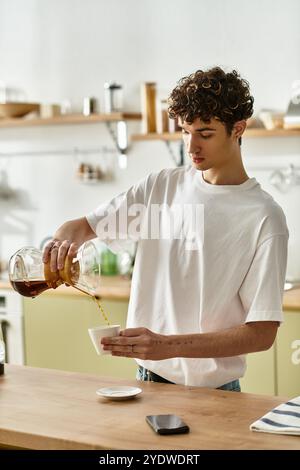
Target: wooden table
[{"x": 49, "y": 409}]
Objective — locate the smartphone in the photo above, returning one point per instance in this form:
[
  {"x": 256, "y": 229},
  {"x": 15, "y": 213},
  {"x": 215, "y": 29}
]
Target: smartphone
[{"x": 167, "y": 424}]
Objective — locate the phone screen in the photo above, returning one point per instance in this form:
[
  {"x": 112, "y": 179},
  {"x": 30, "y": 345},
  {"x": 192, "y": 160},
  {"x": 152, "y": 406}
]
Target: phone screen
[{"x": 167, "y": 424}]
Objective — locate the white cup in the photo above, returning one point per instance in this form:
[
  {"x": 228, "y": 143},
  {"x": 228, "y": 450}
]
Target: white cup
[{"x": 99, "y": 332}]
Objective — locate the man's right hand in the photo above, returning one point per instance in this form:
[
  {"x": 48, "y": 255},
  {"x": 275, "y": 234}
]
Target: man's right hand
[{"x": 66, "y": 241}]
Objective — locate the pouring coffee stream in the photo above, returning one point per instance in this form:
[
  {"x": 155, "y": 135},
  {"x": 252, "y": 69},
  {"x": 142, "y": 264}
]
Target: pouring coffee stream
[
  {"x": 29, "y": 276},
  {"x": 97, "y": 300}
]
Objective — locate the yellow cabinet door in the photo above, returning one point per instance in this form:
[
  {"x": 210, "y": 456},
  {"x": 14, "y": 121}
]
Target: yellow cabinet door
[
  {"x": 260, "y": 376},
  {"x": 56, "y": 334},
  {"x": 288, "y": 355}
]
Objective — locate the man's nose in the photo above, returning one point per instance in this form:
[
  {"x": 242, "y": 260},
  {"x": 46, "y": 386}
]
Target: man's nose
[{"x": 192, "y": 145}]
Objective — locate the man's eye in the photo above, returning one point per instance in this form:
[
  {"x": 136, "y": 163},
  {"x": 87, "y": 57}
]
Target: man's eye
[{"x": 206, "y": 136}]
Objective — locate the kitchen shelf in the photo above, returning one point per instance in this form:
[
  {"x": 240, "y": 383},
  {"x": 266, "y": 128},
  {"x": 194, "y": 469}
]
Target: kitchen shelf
[
  {"x": 69, "y": 119},
  {"x": 166, "y": 136},
  {"x": 252, "y": 132}
]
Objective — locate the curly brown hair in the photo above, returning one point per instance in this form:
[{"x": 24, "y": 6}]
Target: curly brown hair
[{"x": 211, "y": 94}]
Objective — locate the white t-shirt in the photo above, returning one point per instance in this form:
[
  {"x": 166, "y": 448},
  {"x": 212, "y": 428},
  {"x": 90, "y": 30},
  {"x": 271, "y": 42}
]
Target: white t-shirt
[{"x": 229, "y": 272}]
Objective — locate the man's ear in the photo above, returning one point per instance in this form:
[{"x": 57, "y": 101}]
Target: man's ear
[{"x": 239, "y": 128}]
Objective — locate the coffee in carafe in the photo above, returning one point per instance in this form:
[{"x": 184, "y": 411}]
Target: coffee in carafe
[{"x": 30, "y": 288}]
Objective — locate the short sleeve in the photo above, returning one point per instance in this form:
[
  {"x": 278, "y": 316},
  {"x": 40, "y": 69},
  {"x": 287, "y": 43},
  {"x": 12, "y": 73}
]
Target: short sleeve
[
  {"x": 261, "y": 292},
  {"x": 118, "y": 221}
]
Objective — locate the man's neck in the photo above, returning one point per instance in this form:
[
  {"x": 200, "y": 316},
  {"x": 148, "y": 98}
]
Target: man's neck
[{"x": 233, "y": 173}]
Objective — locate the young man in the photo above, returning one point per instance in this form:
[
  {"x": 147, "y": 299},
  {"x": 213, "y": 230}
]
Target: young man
[{"x": 198, "y": 304}]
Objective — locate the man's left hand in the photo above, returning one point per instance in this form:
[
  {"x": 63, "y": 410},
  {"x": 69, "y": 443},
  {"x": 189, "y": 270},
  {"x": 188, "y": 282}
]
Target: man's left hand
[{"x": 139, "y": 343}]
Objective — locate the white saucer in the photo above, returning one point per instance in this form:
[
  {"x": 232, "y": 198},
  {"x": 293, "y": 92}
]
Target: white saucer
[{"x": 118, "y": 392}]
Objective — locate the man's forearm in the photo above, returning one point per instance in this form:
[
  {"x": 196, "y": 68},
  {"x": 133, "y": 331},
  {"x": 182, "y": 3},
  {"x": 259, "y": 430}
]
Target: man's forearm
[
  {"x": 144, "y": 344},
  {"x": 76, "y": 230},
  {"x": 251, "y": 337}
]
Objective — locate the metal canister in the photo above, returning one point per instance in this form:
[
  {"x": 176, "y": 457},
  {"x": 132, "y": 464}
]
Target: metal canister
[{"x": 113, "y": 97}]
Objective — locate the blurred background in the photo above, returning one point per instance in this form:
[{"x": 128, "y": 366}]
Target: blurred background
[{"x": 83, "y": 86}]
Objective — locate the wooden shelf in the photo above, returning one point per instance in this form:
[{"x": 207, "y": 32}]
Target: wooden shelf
[
  {"x": 248, "y": 133},
  {"x": 155, "y": 136},
  {"x": 272, "y": 133},
  {"x": 69, "y": 119}
]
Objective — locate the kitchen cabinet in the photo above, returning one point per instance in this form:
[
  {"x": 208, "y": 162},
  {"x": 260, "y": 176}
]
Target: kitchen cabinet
[
  {"x": 260, "y": 375},
  {"x": 277, "y": 371},
  {"x": 288, "y": 355},
  {"x": 56, "y": 334}
]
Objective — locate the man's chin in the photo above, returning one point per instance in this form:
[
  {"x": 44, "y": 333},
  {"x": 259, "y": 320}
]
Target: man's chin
[{"x": 199, "y": 165}]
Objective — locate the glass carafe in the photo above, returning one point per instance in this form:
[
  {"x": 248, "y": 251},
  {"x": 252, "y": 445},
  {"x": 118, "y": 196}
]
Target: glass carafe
[{"x": 30, "y": 277}]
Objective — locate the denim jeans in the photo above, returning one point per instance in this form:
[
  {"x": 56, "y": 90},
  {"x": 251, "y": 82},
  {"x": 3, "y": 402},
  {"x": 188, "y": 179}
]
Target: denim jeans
[{"x": 146, "y": 375}]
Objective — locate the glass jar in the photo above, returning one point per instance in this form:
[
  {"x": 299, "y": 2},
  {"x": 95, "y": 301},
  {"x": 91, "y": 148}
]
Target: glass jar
[
  {"x": 109, "y": 265},
  {"x": 163, "y": 117},
  {"x": 148, "y": 105}
]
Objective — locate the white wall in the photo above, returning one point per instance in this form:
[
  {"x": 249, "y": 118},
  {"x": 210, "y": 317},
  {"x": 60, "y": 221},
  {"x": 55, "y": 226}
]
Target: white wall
[{"x": 67, "y": 49}]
